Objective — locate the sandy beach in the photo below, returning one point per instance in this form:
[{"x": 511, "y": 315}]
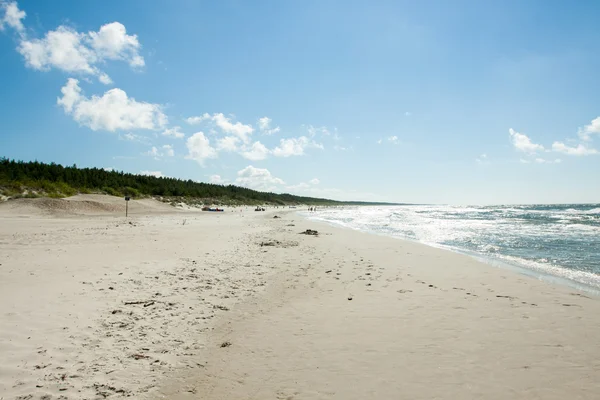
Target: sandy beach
[{"x": 180, "y": 304}]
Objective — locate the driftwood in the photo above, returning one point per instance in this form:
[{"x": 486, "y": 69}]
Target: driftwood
[{"x": 146, "y": 303}]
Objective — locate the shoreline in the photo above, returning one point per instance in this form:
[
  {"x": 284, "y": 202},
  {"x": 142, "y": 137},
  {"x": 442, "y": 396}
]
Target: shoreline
[
  {"x": 490, "y": 260},
  {"x": 107, "y": 307}
]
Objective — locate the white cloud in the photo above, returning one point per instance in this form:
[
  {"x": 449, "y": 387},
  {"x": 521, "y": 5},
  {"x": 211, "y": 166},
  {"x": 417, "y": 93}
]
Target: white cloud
[
  {"x": 112, "y": 42},
  {"x": 256, "y": 152},
  {"x": 313, "y": 131},
  {"x": 295, "y": 146},
  {"x": 63, "y": 49},
  {"x": 77, "y": 52},
  {"x": 217, "y": 180},
  {"x": 199, "y": 148},
  {"x": 108, "y": 169},
  {"x": 314, "y": 181},
  {"x": 580, "y": 150},
  {"x": 196, "y": 120},
  {"x": 264, "y": 124},
  {"x": 393, "y": 139},
  {"x": 379, "y": 141},
  {"x": 168, "y": 150},
  {"x": 132, "y": 137},
  {"x": 258, "y": 179},
  {"x": 407, "y": 114},
  {"x": 12, "y": 16},
  {"x": 153, "y": 152},
  {"x": 593, "y": 128},
  {"x": 228, "y": 143},
  {"x": 523, "y": 143},
  {"x": 156, "y": 174},
  {"x": 113, "y": 111},
  {"x": 174, "y": 132},
  {"x": 222, "y": 122},
  {"x": 104, "y": 78},
  {"x": 341, "y": 148}
]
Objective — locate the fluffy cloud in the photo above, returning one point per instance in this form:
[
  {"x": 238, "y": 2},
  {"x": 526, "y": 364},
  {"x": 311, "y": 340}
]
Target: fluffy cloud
[
  {"x": 156, "y": 174},
  {"x": 593, "y": 128},
  {"x": 264, "y": 124},
  {"x": 165, "y": 151},
  {"x": 195, "y": 120},
  {"x": 228, "y": 143},
  {"x": 295, "y": 146},
  {"x": 71, "y": 51},
  {"x": 112, "y": 111},
  {"x": 112, "y": 42},
  {"x": 12, "y": 17},
  {"x": 199, "y": 148},
  {"x": 168, "y": 150},
  {"x": 152, "y": 152},
  {"x": 217, "y": 179},
  {"x": 314, "y": 181},
  {"x": 173, "y": 132},
  {"x": 258, "y": 178},
  {"x": 393, "y": 139},
  {"x": 63, "y": 49},
  {"x": 579, "y": 150},
  {"x": 523, "y": 143},
  {"x": 225, "y": 125},
  {"x": 256, "y": 152}
]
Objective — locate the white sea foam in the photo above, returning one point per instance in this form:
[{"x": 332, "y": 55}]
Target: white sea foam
[{"x": 561, "y": 241}]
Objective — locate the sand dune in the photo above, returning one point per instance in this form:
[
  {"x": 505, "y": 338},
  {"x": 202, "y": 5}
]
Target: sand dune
[{"x": 85, "y": 204}]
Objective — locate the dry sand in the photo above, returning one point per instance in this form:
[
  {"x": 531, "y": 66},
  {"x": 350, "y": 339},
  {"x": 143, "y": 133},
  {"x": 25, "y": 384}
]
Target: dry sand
[{"x": 342, "y": 315}]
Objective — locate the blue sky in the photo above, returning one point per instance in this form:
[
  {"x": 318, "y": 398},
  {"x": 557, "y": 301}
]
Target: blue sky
[{"x": 463, "y": 102}]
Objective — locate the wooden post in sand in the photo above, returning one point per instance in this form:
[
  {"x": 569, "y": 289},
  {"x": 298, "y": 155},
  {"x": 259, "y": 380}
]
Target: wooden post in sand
[{"x": 126, "y": 205}]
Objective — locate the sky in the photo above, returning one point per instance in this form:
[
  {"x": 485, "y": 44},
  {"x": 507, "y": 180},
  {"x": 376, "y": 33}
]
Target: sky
[{"x": 453, "y": 102}]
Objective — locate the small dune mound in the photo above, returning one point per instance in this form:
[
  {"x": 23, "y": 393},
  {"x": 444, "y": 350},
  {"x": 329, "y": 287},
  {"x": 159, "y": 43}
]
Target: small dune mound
[
  {"x": 83, "y": 205},
  {"x": 61, "y": 206}
]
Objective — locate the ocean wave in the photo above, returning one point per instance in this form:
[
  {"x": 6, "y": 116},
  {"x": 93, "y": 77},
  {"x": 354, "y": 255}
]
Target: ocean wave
[{"x": 522, "y": 235}]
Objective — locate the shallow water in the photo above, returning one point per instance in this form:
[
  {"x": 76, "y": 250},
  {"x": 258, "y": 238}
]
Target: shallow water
[{"x": 556, "y": 240}]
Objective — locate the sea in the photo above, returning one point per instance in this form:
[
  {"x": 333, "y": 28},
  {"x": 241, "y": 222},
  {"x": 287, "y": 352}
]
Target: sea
[{"x": 551, "y": 242}]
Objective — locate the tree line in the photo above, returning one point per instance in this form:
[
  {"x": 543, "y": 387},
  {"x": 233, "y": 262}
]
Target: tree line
[{"x": 34, "y": 178}]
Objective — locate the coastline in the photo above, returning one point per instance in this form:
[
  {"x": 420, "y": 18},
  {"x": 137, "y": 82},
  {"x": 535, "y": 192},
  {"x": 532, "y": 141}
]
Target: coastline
[
  {"x": 577, "y": 279},
  {"x": 421, "y": 323}
]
